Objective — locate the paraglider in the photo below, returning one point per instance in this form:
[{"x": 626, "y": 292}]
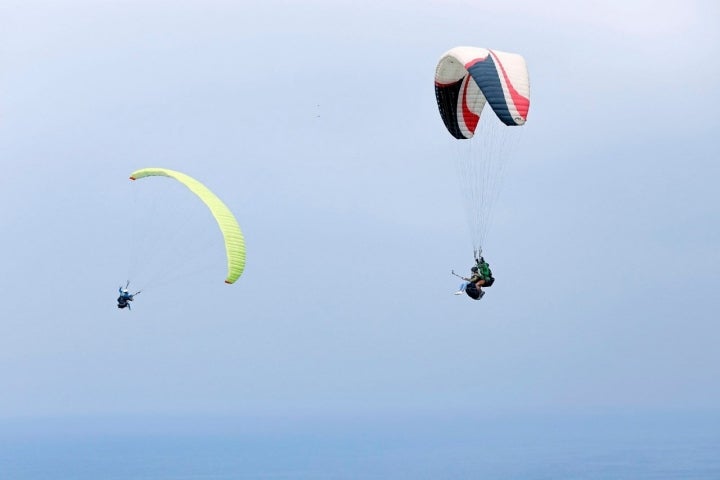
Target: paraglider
[
  {"x": 480, "y": 276},
  {"x": 232, "y": 237},
  {"x": 466, "y": 80},
  {"x": 125, "y": 296}
]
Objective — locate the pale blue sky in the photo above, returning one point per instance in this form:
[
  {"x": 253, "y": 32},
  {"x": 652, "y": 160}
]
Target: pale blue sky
[{"x": 604, "y": 244}]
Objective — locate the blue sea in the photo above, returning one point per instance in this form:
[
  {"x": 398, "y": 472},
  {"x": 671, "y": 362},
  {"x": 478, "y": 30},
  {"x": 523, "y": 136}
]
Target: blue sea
[{"x": 598, "y": 446}]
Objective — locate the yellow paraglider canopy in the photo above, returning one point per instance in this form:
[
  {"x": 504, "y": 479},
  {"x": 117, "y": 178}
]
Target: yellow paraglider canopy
[{"x": 232, "y": 235}]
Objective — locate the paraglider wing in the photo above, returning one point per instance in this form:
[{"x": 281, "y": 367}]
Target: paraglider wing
[
  {"x": 232, "y": 235},
  {"x": 466, "y": 78}
]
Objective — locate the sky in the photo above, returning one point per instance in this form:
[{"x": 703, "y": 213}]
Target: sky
[{"x": 316, "y": 123}]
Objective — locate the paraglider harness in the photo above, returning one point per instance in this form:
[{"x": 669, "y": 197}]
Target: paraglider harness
[{"x": 472, "y": 291}]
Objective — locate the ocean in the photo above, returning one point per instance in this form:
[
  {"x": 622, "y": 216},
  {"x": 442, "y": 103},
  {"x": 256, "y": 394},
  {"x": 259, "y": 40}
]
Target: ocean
[{"x": 590, "y": 447}]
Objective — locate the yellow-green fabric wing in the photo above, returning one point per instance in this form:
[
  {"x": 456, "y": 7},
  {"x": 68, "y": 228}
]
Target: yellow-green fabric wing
[{"x": 234, "y": 240}]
